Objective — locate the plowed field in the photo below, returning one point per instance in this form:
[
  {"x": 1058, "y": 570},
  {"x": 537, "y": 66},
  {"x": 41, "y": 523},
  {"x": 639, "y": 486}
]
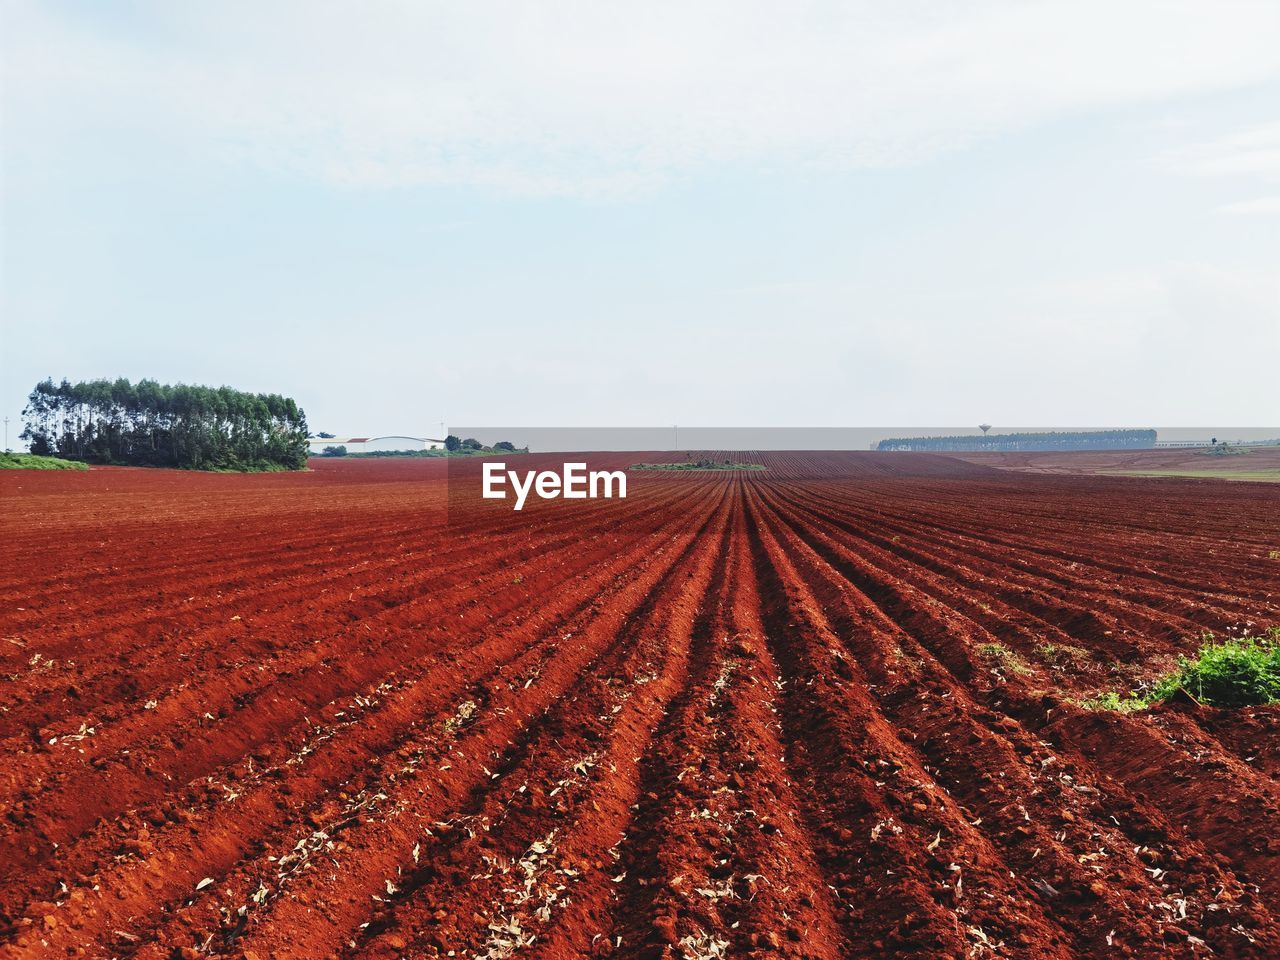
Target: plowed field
[{"x": 824, "y": 710}]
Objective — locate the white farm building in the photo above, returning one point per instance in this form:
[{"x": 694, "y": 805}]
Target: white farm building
[{"x": 387, "y": 444}]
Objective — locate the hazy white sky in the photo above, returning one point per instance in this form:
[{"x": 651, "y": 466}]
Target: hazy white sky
[{"x": 1028, "y": 212}]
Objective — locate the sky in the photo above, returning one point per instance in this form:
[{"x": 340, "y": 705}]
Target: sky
[{"x": 591, "y": 214}]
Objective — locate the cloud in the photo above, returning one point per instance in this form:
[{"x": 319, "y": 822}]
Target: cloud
[
  {"x": 590, "y": 98},
  {"x": 1123, "y": 346},
  {"x": 1250, "y": 155},
  {"x": 1251, "y": 152},
  {"x": 1260, "y": 207}
]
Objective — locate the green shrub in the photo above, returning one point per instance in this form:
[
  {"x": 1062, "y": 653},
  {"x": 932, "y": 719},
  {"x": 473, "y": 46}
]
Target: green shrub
[
  {"x": 1238, "y": 672},
  {"x": 1111, "y": 700},
  {"x": 1001, "y": 657},
  {"x": 1060, "y": 654},
  {"x": 31, "y": 461},
  {"x": 698, "y": 465}
]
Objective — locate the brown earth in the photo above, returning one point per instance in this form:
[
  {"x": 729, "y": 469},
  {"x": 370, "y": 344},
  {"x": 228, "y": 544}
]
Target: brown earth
[{"x": 824, "y": 710}]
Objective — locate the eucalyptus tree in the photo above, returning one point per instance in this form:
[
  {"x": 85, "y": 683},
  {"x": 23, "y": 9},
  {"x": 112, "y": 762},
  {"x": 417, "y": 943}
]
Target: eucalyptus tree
[{"x": 154, "y": 424}]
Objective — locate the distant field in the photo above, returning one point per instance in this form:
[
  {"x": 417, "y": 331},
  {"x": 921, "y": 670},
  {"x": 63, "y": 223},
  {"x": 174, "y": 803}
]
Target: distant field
[
  {"x": 1259, "y": 463},
  {"x": 1217, "y": 474}
]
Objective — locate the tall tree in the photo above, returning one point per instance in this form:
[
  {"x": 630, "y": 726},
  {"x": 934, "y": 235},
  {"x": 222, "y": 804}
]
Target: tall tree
[{"x": 154, "y": 424}]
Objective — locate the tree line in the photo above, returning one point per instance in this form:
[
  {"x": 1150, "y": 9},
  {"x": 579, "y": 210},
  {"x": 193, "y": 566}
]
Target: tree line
[
  {"x": 1049, "y": 440},
  {"x": 471, "y": 445},
  {"x": 453, "y": 446},
  {"x": 160, "y": 425}
]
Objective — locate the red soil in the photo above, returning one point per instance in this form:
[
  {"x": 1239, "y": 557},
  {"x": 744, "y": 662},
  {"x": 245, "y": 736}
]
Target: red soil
[{"x": 736, "y": 714}]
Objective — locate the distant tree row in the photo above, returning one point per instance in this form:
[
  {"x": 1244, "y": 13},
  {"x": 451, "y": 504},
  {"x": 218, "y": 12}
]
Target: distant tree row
[
  {"x": 1051, "y": 440},
  {"x": 154, "y": 424},
  {"x": 453, "y": 446}
]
